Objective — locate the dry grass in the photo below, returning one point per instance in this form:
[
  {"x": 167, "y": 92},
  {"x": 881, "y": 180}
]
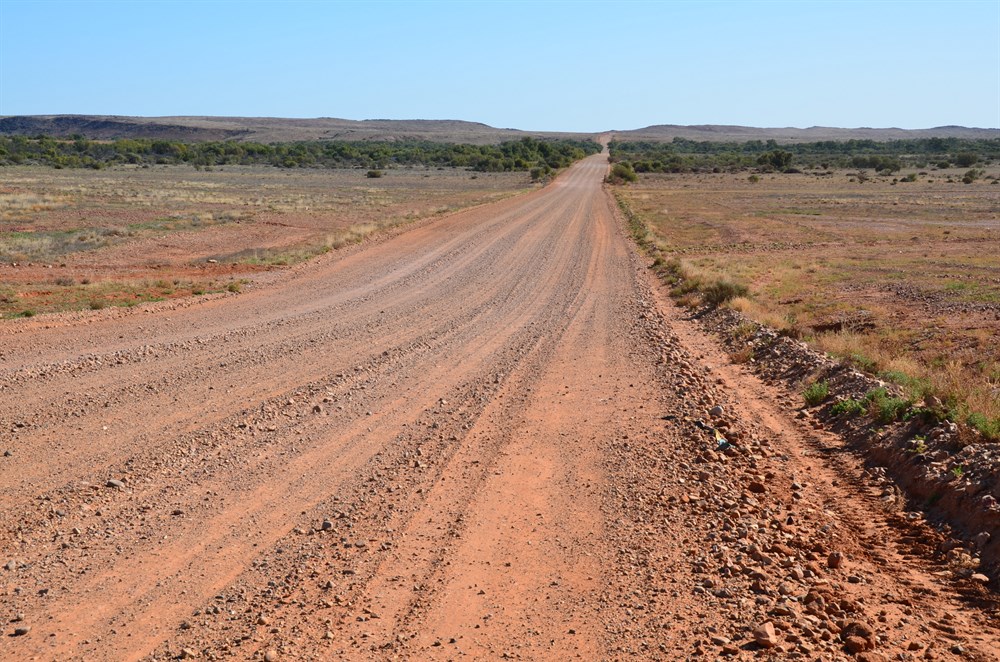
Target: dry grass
[
  {"x": 129, "y": 226},
  {"x": 901, "y": 278}
]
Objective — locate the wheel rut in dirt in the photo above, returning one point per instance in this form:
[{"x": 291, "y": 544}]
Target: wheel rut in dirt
[{"x": 473, "y": 439}]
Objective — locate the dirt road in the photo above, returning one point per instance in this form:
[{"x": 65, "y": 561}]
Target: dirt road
[{"x": 472, "y": 440}]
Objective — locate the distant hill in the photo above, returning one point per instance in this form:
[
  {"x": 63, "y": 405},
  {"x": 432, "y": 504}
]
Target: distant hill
[
  {"x": 723, "y": 133},
  {"x": 276, "y": 129},
  {"x": 261, "y": 129}
]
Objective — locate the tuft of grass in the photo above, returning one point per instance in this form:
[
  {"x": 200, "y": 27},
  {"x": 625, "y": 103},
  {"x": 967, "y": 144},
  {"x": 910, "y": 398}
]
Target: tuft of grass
[
  {"x": 722, "y": 291},
  {"x": 816, "y": 393},
  {"x": 234, "y": 287},
  {"x": 885, "y": 408},
  {"x": 990, "y": 428},
  {"x": 850, "y": 407}
]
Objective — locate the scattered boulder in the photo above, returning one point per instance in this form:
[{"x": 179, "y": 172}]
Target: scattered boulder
[{"x": 764, "y": 635}]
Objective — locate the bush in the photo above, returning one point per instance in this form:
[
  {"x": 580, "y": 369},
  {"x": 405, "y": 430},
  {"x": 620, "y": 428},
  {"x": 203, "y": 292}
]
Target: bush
[
  {"x": 722, "y": 291},
  {"x": 373, "y": 174},
  {"x": 849, "y": 407},
  {"x": 621, "y": 173},
  {"x": 816, "y": 393},
  {"x": 989, "y": 428},
  {"x": 885, "y": 408},
  {"x": 966, "y": 159}
]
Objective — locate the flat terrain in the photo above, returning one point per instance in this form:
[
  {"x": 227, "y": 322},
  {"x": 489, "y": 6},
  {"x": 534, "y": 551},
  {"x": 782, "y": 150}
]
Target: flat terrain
[
  {"x": 904, "y": 278},
  {"x": 82, "y": 238},
  {"x": 475, "y": 439}
]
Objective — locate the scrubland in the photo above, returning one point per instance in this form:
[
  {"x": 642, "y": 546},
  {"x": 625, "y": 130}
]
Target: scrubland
[{"x": 900, "y": 277}]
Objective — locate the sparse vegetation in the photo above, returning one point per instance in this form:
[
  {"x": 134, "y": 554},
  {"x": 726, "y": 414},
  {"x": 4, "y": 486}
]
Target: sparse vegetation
[
  {"x": 515, "y": 155},
  {"x": 897, "y": 299},
  {"x": 224, "y": 216},
  {"x": 721, "y": 291},
  {"x": 849, "y": 407},
  {"x": 886, "y": 408},
  {"x": 885, "y": 157},
  {"x": 816, "y": 393},
  {"x": 621, "y": 173}
]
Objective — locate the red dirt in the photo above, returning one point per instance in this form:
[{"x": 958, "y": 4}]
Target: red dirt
[{"x": 473, "y": 439}]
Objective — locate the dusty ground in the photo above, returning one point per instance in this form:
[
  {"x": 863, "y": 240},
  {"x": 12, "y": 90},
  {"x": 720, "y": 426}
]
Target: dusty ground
[
  {"x": 73, "y": 238},
  {"x": 903, "y": 277},
  {"x": 478, "y": 439}
]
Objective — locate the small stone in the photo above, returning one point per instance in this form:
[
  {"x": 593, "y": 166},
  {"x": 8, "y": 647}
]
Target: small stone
[
  {"x": 115, "y": 483},
  {"x": 271, "y": 656},
  {"x": 317, "y": 409},
  {"x": 764, "y": 635},
  {"x": 835, "y": 560},
  {"x": 979, "y": 577},
  {"x": 263, "y": 620},
  {"x": 22, "y": 630},
  {"x": 11, "y": 565},
  {"x": 757, "y": 487},
  {"x": 7, "y": 454},
  {"x": 327, "y": 525},
  {"x": 717, "y": 411},
  {"x": 188, "y": 654}
]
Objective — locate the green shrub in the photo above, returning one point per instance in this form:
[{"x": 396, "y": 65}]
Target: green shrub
[
  {"x": 816, "y": 393},
  {"x": 989, "y": 428},
  {"x": 849, "y": 407},
  {"x": 966, "y": 159},
  {"x": 373, "y": 174},
  {"x": 621, "y": 173},
  {"x": 722, "y": 291},
  {"x": 885, "y": 408}
]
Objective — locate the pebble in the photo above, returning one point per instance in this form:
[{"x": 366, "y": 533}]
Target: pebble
[
  {"x": 22, "y": 630},
  {"x": 835, "y": 560},
  {"x": 271, "y": 656},
  {"x": 115, "y": 483},
  {"x": 717, "y": 411}
]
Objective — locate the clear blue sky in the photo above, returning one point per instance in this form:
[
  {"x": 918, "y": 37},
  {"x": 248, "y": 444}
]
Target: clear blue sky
[{"x": 572, "y": 66}]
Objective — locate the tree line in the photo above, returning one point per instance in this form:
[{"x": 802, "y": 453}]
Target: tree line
[
  {"x": 541, "y": 155},
  {"x": 683, "y": 155}
]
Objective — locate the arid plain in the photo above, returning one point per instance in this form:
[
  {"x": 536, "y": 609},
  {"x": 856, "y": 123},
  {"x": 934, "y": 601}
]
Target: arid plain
[{"x": 274, "y": 415}]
